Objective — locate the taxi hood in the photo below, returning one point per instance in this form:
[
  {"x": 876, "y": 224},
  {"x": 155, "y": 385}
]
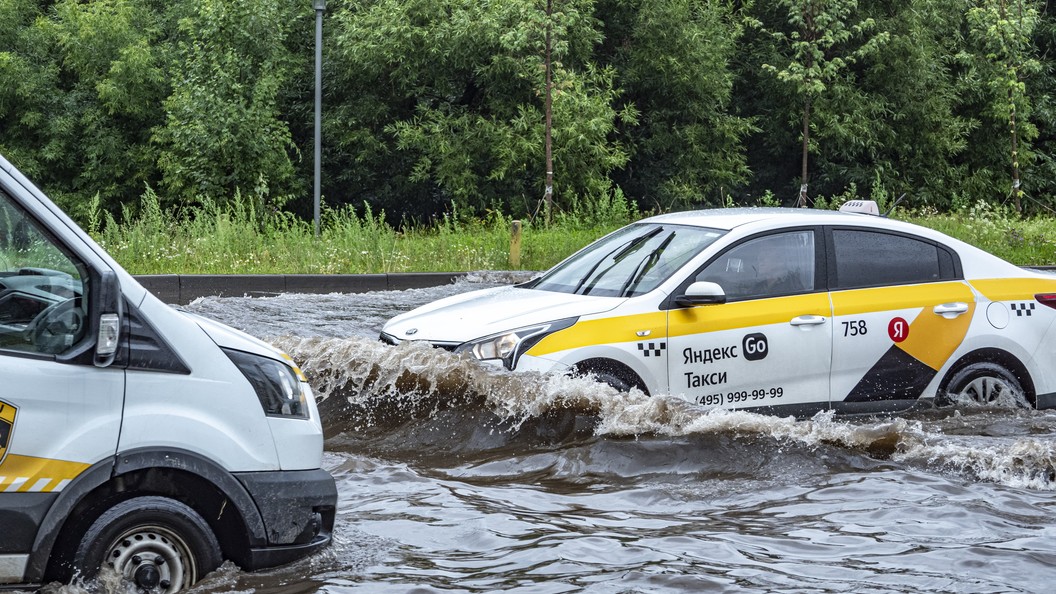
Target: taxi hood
[{"x": 476, "y": 314}]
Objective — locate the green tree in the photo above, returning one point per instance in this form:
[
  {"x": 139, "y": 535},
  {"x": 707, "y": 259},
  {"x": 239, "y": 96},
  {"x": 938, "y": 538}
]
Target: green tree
[
  {"x": 818, "y": 42},
  {"x": 1001, "y": 33},
  {"x": 446, "y": 98},
  {"x": 28, "y": 77},
  {"x": 223, "y": 130},
  {"x": 1041, "y": 170},
  {"x": 83, "y": 86},
  {"x": 673, "y": 61},
  {"x": 897, "y": 122}
]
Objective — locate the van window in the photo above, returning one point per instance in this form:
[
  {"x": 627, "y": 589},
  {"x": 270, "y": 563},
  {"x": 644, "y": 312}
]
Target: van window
[
  {"x": 43, "y": 308},
  {"x": 872, "y": 258}
]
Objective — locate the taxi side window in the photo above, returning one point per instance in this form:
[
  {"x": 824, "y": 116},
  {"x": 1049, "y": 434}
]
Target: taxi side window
[
  {"x": 870, "y": 258},
  {"x": 768, "y": 266},
  {"x": 42, "y": 305}
]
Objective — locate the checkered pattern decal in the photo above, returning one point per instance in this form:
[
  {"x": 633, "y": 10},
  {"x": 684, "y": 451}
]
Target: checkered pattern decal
[
  {"x": 1023, "y": 309},
  {"x": 652, "y": 349}
]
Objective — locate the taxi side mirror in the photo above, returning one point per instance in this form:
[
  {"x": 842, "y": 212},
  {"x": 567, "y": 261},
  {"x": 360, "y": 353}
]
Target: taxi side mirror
[{"x": 702, "y": 293}]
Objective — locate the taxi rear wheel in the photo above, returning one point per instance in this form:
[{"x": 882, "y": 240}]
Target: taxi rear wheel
[
  {"x": 154, "y": 543},
  {"x": 985, "y": 384}
]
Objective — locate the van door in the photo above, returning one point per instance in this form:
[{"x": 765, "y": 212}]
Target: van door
[
  {"x": 59, "y": 413},
  {"x": 770, "y": 344},
  {"x": 900, "y": 310}
]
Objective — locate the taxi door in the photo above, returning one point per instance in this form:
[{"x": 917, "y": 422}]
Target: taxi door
[
  {"x": 770, "y": 344},
  {"x": 899, "y": 313}
]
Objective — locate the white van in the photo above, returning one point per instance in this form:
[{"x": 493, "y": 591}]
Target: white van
[{"x": 134, "y": 436}]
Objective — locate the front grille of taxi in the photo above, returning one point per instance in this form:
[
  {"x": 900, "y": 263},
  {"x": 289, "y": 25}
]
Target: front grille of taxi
[{"x": 390, "y": 339}]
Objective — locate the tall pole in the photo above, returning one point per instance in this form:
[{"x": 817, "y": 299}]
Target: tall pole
[
  {"x": 320, "y": 6},
  {"x": 548, "y": 194}
]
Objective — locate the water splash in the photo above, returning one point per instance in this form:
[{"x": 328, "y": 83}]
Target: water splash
[
  {"x": 418, "y": 388},
  {"x": 1027, "y": 463}
]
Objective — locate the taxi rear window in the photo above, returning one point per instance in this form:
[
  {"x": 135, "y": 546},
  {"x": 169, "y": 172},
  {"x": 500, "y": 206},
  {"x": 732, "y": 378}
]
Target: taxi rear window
[{"x": 869, "y": 258}]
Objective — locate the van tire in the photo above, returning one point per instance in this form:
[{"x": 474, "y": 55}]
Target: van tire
[
  {"x": 158, "y": 544},
  {"x": 984, "y": 384}
]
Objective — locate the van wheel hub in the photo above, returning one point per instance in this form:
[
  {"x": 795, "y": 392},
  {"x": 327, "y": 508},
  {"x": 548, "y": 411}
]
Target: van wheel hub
[{"x": 151, "y": 557}]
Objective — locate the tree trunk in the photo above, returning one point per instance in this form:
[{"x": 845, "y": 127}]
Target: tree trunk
[
  {"x": 802, "y": 202},
  {"x": 1017, "y": 189}
]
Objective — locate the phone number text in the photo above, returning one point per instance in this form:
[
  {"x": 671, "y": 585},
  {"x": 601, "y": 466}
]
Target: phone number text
[{"x": 740, "y": 396}]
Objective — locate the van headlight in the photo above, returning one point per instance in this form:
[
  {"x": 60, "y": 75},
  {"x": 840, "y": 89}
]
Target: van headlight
[
  {"x": 278, "y": 386},
  {"x": 510, "y": 345}
]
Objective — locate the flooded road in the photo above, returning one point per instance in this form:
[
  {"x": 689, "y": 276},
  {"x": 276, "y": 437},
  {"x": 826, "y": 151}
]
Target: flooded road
[{"x": 455, "y": 479}]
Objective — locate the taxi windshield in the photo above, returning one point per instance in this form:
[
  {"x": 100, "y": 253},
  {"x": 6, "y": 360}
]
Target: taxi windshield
[{"x": 628, "y": 262}]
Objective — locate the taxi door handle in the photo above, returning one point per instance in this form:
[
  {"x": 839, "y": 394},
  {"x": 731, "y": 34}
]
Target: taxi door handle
[
  {"x": 807, "y": 320},
  {"x": 951, "y": 310}
]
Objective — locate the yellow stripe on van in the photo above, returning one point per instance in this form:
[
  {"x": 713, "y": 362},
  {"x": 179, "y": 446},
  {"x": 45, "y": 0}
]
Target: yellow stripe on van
[
  {"x": 1013, "y": 289},
  {"x": 27, "y": 474},
  {"x": 860, "y": 301},
  {"x": 603, "y": 331}
]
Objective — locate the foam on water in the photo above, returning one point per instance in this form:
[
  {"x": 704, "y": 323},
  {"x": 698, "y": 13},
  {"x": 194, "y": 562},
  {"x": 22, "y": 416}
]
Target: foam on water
[
  {"x": 1028, "y": 463},
  {"x": 416, "y": 380}
]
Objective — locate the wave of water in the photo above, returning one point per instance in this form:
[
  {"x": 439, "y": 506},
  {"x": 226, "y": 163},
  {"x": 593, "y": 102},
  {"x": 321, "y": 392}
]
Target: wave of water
[{"x": 407, "y": 392}]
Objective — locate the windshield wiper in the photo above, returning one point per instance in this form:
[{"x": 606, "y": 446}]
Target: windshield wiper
[
  {"x": 619, "y": 255},
  {"x": 644, "y": 267}
]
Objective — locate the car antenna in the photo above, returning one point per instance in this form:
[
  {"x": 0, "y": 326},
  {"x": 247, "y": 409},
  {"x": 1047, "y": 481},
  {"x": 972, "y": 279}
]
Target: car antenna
[{"x": 895, "y": 205}]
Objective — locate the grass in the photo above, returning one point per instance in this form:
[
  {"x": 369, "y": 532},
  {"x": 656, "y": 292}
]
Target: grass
[
  {"x": 238, "y": 239},
  {"x": 1022, "y": 241}
]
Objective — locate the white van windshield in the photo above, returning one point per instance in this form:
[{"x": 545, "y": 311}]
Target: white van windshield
[
  {"x": 628, "y": 262},
  {"x": 42, "y": 309}
]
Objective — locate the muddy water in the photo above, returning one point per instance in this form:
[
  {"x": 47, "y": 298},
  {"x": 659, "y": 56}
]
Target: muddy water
[{"x": 455, "y": 479}]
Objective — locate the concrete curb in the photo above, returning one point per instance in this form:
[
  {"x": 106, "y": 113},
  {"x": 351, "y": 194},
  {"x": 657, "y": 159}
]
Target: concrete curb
[{"x": 184, "y": 288}]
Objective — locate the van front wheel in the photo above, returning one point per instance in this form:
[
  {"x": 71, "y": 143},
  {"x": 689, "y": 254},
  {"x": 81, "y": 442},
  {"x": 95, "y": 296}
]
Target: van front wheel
[{"x": 157, "y": 544}]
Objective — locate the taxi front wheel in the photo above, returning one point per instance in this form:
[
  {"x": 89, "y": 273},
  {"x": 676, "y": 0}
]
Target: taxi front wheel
[
  {"x": 611, "y": 379},
  {"x": 155, "y": 543},
  {"x": 612, "y": 373},
  {"x": 985, "y": 384}
]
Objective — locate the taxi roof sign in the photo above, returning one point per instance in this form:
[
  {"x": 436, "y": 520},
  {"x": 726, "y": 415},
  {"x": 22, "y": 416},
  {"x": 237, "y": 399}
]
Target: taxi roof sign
[{"x": 868, "y": 207}]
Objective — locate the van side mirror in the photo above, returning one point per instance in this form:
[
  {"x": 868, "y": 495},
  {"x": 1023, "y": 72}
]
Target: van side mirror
[
  {"x": 108, "y": 298},
  {"x": 701, "y": 293}
]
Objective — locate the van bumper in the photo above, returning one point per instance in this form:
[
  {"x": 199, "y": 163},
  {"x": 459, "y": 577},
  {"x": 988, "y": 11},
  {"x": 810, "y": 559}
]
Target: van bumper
[{"x": 298, "y": 508}]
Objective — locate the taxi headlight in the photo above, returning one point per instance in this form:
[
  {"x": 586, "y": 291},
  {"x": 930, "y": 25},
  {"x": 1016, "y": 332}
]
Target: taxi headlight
[
  {"x": 509, "y": 346},
  {"x": 278, "y": 386}
]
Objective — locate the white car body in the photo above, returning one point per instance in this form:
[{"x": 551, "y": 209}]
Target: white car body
[{"x": 874, "y": 315}]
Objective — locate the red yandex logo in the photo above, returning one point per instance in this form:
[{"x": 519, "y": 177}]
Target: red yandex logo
[{"x": 898, "y": 329}]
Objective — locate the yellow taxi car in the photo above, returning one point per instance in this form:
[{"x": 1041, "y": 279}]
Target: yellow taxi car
[{"x": 788, "y": 311}]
